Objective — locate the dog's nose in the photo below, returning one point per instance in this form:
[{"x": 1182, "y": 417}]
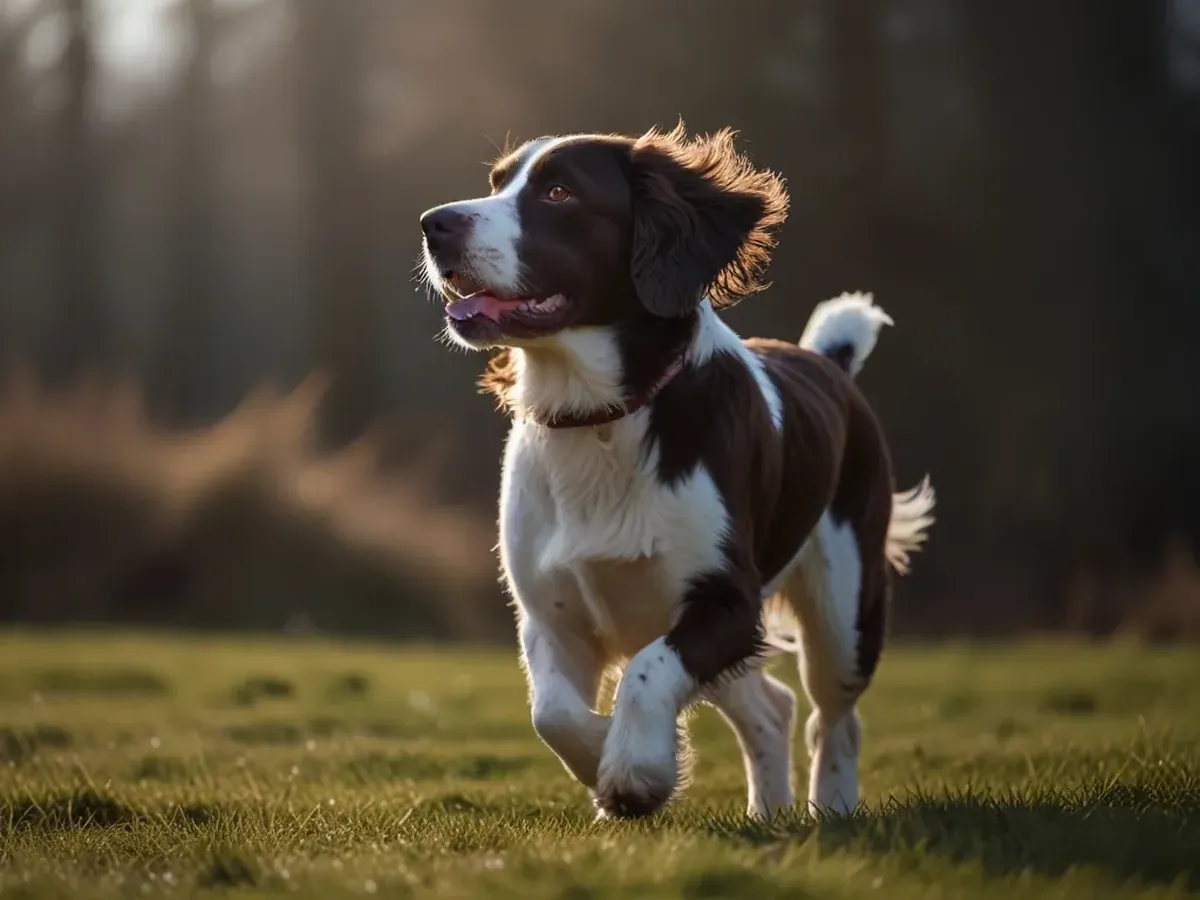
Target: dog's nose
[{"x": 444, "y": 228}]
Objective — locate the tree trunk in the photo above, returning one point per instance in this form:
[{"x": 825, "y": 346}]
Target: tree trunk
[
  {"x": 79, "y": 332},
  {"x": 182, "y": 383},
  {"x": 340, "y": 222}
]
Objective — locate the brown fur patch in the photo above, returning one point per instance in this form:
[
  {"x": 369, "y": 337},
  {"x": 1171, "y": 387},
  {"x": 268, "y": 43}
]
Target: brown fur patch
[
  {"x": 830, "y": 453},
  {"x": 686, "y": 174}
]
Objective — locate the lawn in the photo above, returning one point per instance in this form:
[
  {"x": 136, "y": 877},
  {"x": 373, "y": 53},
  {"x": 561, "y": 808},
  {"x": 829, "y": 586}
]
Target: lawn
[{"x": 147, "y": 765}]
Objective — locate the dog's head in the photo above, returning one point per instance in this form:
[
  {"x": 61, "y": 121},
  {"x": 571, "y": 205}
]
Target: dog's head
[{"x": 593, "y": 230}]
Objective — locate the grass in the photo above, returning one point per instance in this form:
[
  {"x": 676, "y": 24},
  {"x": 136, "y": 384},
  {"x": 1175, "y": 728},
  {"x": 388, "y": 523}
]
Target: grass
[{"x": 146, "y": 765}]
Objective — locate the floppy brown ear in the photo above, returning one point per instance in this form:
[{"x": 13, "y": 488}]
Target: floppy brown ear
[{"x": 704, "y": 221}]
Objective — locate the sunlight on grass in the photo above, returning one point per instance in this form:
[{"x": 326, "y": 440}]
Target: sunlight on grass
[{"x": 149, "y": 765}]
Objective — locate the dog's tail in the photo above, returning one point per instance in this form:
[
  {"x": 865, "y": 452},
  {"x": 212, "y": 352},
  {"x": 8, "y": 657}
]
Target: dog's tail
[
  {"x": 845, "y": 330},
  {"x": 912, "y": 514}
]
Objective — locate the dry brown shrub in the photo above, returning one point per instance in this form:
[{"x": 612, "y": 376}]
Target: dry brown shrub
[{"x": 104, "y": 517}]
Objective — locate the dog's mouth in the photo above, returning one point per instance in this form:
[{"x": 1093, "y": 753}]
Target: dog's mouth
[
  {"x": 496, "y": 308},
  {"x": 480, "y": 314}
]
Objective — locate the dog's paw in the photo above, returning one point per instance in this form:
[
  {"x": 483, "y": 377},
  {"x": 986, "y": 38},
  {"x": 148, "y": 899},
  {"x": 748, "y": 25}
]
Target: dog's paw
[
  {"x": 619, "y": 804},
  {"x": 637, "y": 777}
]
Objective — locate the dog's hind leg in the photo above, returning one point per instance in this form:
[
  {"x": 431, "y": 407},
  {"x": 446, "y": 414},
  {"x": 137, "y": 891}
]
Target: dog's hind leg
[
  {"x": 762, "y": 712},
  {"x": 839, "y": 595}
]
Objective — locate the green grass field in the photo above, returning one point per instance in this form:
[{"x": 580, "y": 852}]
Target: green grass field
[{"x": 149, "y": 765}]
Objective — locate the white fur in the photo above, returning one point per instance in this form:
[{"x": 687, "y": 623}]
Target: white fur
[
  {"x": 762, "y": 712},
  {"x": 832, "y": 575},
  {"x": 600, "y": 508},
  {"x": 574, "y": 371},
  {"x": 597, "y": 553},
  {"x": 490, "y": 255},
  {"x": 564, "y": 675},
  {"x": 833, "y": 747},
  {"x": 853, "y": 319},
  {"x": 640, "y": 756},
  {"x": 912, "y": 514},
  {"x": 823, "y": 594}
]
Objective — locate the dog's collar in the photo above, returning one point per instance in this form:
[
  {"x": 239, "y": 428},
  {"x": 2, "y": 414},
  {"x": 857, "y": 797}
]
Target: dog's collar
[{"x": 609, "y": 414}]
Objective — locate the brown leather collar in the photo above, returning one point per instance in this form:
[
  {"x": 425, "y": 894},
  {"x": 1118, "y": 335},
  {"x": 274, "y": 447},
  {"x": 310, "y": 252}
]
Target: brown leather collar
[{"x": 608, "y": 414}]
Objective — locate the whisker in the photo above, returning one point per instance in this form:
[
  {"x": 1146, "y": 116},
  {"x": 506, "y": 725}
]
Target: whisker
[
  {"x": 522, "y": 285},
  {"x": 496, "y": 147}
]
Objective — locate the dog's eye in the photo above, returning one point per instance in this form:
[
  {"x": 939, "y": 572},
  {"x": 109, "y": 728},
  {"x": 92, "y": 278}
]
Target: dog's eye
[{"x": 557, "y": 194}]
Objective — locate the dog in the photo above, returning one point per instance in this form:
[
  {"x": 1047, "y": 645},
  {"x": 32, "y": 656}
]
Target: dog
[{"x": 677, "y": 504}]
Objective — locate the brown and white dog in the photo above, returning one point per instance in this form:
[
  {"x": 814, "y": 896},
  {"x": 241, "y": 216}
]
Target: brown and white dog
[{"x": 675, "y": 501}]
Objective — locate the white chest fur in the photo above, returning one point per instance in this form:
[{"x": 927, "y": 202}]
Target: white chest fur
[{"x": 593, "y": 542}]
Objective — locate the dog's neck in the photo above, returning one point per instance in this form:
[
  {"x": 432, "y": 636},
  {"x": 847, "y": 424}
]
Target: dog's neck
[
  {"x": 601, "y": 373},
  {"x": 577, "y": 373}
]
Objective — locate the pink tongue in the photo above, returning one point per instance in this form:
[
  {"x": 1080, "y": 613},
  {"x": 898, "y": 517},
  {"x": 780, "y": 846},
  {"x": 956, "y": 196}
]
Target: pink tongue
[{"x": 480, "y": 303}]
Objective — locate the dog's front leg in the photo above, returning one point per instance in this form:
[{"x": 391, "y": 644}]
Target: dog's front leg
[
  {"x": 717, "y": 630},
  {"x": 564, "y": 674}
]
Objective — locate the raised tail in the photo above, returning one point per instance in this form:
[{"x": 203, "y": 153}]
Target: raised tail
[{"x": 845, "y": 329}]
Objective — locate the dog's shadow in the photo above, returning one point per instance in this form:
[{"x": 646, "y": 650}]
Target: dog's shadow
[{"x": 1132, "y": 833}]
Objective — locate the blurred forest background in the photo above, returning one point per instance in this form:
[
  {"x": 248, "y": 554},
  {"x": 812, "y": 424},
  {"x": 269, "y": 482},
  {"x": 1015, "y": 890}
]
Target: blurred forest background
[{"x": 223, "y": 404}]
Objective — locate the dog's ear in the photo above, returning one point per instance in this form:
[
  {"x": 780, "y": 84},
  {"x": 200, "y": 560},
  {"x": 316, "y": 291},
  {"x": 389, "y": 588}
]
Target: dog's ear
[{"x": 704, "y": 221}]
